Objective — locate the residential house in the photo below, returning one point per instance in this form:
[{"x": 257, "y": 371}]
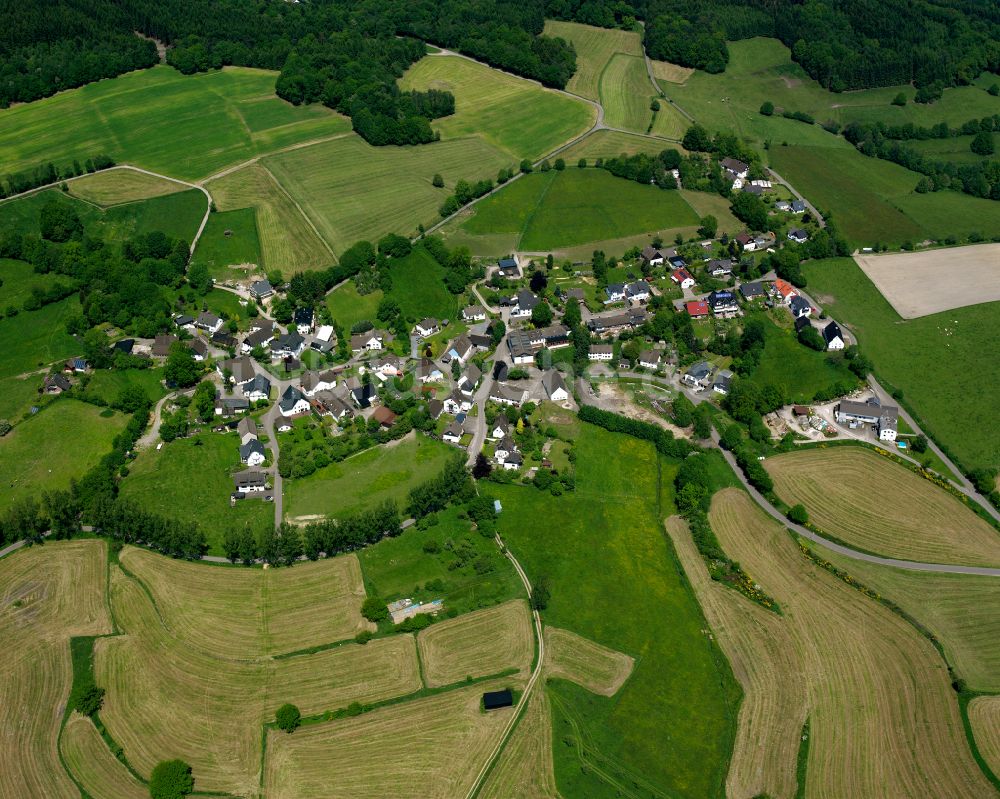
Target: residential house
[
  {"x": 888, "y": 422},
  {"x": 723, "y": 380},
  {"x": 736, "y": 169},
  {"x": 372, "y": 341},
  {"x": 474, "y": 313},
  {"x": 801, "y": 322},
  {"x": 855, "y": 413},
  {"x": 330, "y": 403},
  {"x": 250, "y": 482},
  {"x": 609, "y": 324},
  {"x": 683, "y": 278},
  {"x": 481, "y": 341},
  {"x": 508, "y": 395},
  {"x": 746, "y": 241},
  {"x": 247, "y": 429},
  {"x": 723, "y": 303},
  {"x": 799, "y": 307},
  {"x": 293, "y": 402},
  {"x": 508, "y": 268},
  {"x": 184, "y": 321},
  {"x": 555, "y": 386},
  {"x": 76, "y": 365},
  {"x": 500, "y": 370},
  {"x": 469, "y": 379},
  {"x": 637, "y": 291},
  {"x": 257, "y": 338},
  {"x": 208, "y": 322},
  {"x": 457, "y": 402},
  {"x": 289, "y": 345},
  {"x": 303, "y": 319},
  {"x": 500, "y": 427},
  {"x": 56, "y": 384},
  {"x": 435, "y": 408},
  {"x": 833, "y": 336},
  {"x": 428, "y": 371},
  {"x": 460, "y": 349},
  {"x": 124, "y": 346},
  {"x": 427, "y": 327},
  {"x": 507, "y": 454},
  {"x": 676, "y": 262},
  {"x": 650, "y": 359},
  {"x": 652, "y": 256},
  {"x": 385, "y": 417},
  {"x": 261, "y": 290},
  {"x": 752, "y": 291},
  {"x": 798, "y": 235},
  {"x": 241, "y": 369},
  {"x": 614, "y": 292},
  {"x": 751, "y": 188},
  {"x": 783, "y": 205},
  {"x": 199, "y": 349},
  {"x": 324, "y": 340},
  {"x": 699, "y": 375},
  {"x": 230, "y": 406},
  {"x": 453, "y": 432},
  {"x": 387, "y": 367},
  {"x": 601, "y": 352},
  {"x": 798, "y": 207},
  {"x": 784, "y": 291},
  {"x": 696, "y": 309},
  {"x": 364, "y": 395},
  {"x": 257, "y": 389},
  {"x": 720, "y": 267},
  {"x": 522, "y": 304},
  {"x": 252, "y": 453},
  {"x": 224, "y": 340},
  {"x": 764, "y": 241},
  {"x": 162, "y": 345}
]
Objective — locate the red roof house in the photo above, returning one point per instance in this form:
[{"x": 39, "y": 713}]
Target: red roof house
[{"x": 697, "y": 309}]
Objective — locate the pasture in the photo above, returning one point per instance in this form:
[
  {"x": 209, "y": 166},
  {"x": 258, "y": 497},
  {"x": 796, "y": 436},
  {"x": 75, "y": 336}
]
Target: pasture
[
  {"x": 672, "y": 73},
  {"x": 229, "y": 246},
  {"x": 517, "y": 116},
  {"x": 614, "y": 581},
  {"x": 56, "y": 445},
  {"x": 960, "y": 609},
  {"x": 867, "y": 501},
  {"x": 595, "y": 47},
  {"x": 119, "y": 185},
  {"x": 47, "y": 595},
  {"x": 108, "y": 383},
  {"x": 350, "y": 190},
  {"x": 984, "y": 713},
  {"x": 843, "y": 661},
  {"x": 348, "y": 307},
  {"x": 418, "y": 286},
  {"x": 189, "y": 480},
  {"x": 185, "y": 127},
  {"x": 19, "y": 279},
  {"x": 909, "y": 281},
  {"x": 430, "y": 747},
  {"x": 478, "y": 644},
  {"x": 569, "y": 656},
  {"x": 93, "y": 766},
  {"x": 288, "y": 241},
  {"x": 611, "y": 143},
  {"x": 366, "y": 479},
  {"x": 937, "y": 360}
]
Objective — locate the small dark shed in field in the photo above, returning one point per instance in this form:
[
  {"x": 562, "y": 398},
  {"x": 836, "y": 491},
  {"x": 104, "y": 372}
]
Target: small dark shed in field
[{"x": 493, "y": 700}]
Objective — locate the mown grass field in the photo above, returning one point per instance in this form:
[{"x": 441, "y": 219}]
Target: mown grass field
[
  {"x": 58, "y": 444},
  {"x": 577, "y": 206},
  {"x": 366, "y": 479},
  {"x": 90, "y": 761},
  {"x": 19, "y": 278},
  {"x": 937, "y": 361},
  {"x": 349, "y": 307},
  {"x": 626, "y": 92},
  {"x": 516, "y": 116},
  {"x": 186, "y": 127},
  {"x": 478, "y": 644},
  {"x": 569, "y": 656},
  {"x": 984, "y": 713},
  {"x": 525, "y": 768},
  {"x": 595, "y": 47},
  {"x": 351, "y": 190},
  {"x": 610, "y": 143},
  {"x": 190, "y": 479},
  {"x": 614, "y": 581},
  {"x": 233, "y": 256},
  {"x": 870, "y": 502},
  {"x": 116, "y": 186},
  {"x": 108, "y": 383},
  {"x": 960, "y": 609},
  {"x": 47, "y": 595},
  {"x": 287, "y": 240},
  {"x": 836, "y": 657}
]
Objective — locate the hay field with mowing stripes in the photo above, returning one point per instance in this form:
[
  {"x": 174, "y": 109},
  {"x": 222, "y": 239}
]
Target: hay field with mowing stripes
[
  {"x": 870, "y": 502},
  {"x": 984, "y": 713},
  {"x": 431, "y": 747},
  {"x": 117, "y": 186},
  {"x": 595, "y": 47},
  {"x": 98, "y": 771},
  {"x": 159, "y": 681},
  {"x": 477, "y": 644},
  {"x": 525, "y": 767},
  {"x": 597, "y": 668},
  {"x": 863, "y": 669},
  {"x": 47, "y": 595}
]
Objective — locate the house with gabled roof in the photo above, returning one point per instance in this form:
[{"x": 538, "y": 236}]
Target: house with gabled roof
[
  {"x": 246, "y": 429},
  {"x": 601, "y": 352},
  {"x": 652, "y": 256},
  {"x": 257, "y": 389},
  {"x": 304, "y": 319},
  {"x": 293, "y": 402},
  {"x": 784, "y": 291},
  {"x": 460, "y": 349},
  {"x": 722, "y": 303},
  {"x": 289, "y": 345},
  {"x": 457, "y": 402},
  {"x": 453, "y": 432},
  {"x": 427, "y": 327},
  {"x": 508, "y": 395},
  {"x": 696, "y": 309},
  {"x": 682, "y": 278},
  {"x": 260, "y": 337},
  {"x": 799, "y": 307},
  {"x": 637, "y": 291},
  {"x": 508, "y": 268},
  {"x": 614, "y": 292},
  {"x": 698, "y": 375},
  {"x": 798, "y": 235},
  {"x": 522, "y": 304},
  {"x": 252, "y": 453},
  {"x": 723, "y": 380},
  {"x": 249, "y": 482},
  {"x": 372, "y": 340},
  {"x": 833, "y": 336},
  {"x": 208, "y": 322},
  {"x": 473, "y": 313},
  {"x": 241, "y": 369},
  {"x": 261, "y": 289},
  {"x": 650, "y": 359},
  {"x": 752, "y": 291},
  {"x": 720, "y": 267},
  {"x": 555, "y": 386}
]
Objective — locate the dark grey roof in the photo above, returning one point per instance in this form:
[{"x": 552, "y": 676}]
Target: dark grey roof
[
  {"x": 832, "y": 331},
  {"x": 259, "y": 383},
  {"x": 303, "y": 316},
  {"x": 250, "y": 479},
  {"x": 526, "y": 299},
  {"x": 552, "y": 381},
  {"x": 700, "y": 370},
  {"x": 751, "y": 290},
  {"x": 798, "y": 304},
  {"x": 248, "y": 449},
  {"x": 290, "y": 396}
]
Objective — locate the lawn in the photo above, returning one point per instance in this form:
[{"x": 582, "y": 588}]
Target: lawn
[
  {"x": 352, "y": 191},
  {"x": 189, "y": 479},
  {"x": 108, "y": 383},
  {"x": 56, "y": 445},
  {"x": 366, "y": 479},
  {"x": 615, "y": 580},
  {"x": 577, "y": 206},
  {"x": 229, "y": 241},
  {"x": 348, "y": 307},
  {"x": 938, "y": 361},
  {"x": 799, "y": 371},
  {"x": 595, "y": 47},
  {"x": 626, "y": 92},
  {"x": 418, "y": 286},
  {"x": 185, "y": 127},
  {"x": 514, "y": 115},
  {"x": 287, "y": 239}
]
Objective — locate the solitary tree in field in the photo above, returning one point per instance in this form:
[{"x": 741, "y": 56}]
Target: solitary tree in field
[
  {"x": 560, "y": 165},
  {"x": 482, "y": 467},
  {"x": 437, "y": 182},
  {"x": 171, "y": 779},
  {"x": 899, "y": 99},
  {"x": 709, "y": 227},
  {"x": 982, "y": 143},
  {"x": 582, "y": 163},
  {"x": 288, "y": 717},
  {"x": 767, "y": 108}
]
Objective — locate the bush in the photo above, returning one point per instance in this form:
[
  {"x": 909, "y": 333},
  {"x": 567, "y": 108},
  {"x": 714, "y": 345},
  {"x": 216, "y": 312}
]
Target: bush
[
  {"x": 374, "y": 609},
  {"x": 288, "y": 718},
  {"x": 90, "y": 701},
  {"x": 919, "y": 444},
  {"x": 541, "y": 594},
  {"x": 899, "y": 99},
  {"x": 171, "y": 779},
  {"x": 767, "y": 108},
  {"x": 798, "y": 514},
  {"x": 364, "y": 637}
]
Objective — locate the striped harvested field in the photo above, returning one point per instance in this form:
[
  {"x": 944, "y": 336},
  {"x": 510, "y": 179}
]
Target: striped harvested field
[
  {"x": 612, "y": 143},
  {"x": 597, "y": 668},
  {"x": 287, "y": 240},
  {"x": 856, "y": 667},
  {"x": 159, "y": 682},
  {"x": 432, "y": 748},
  {"x": 525, "y": 767},
  {"x": 90, "y": 761},
  {"x": 962, "y": 610},
  {"x": 47, "y": 595},
  {"x": 870, "y": 502},
  {"x": 116, "y": 186},
  {"x": 672, "y": 73},
  {"x": 477, "y": 644},
  {"x": 626, "y": 92},
  {"x": 984, "y": 713},
  {"x": 594, "y": 49}
]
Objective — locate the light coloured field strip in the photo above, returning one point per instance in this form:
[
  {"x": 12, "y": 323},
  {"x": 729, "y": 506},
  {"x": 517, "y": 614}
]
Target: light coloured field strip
[
  {"x": 99, "y": 772},
  {"x": 595, "y": 667},
  {"x": 594, "y": 48},
  {"x": 862, "y": 668},
  {"x": 476, "y": 644},
  {"x": 113, "y": 187},
  {"x": 869, "y": 502},
  {"x": 921, "y": 283},
  {"x": 430, "y": 747},
  {"x": 47, "y": 594},
  {"x": 984, "y": 714},
  {"x": 672, "y": 73},
  {"x": 525, "y": 770}
]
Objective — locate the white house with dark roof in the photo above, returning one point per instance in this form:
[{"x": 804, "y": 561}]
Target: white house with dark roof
[
  {"x": 427, "y": 327},
  {"x": 508, "y": 395},
  {"x": 456, "y": 403},
  {"x": 257, "y": 389},
  {"x": 312, "y": 382},
  {"x": 303, "y": 319},
  {"x": 833, "y": 336},
  {"x": 474, "y": 313},
  {"x": 261, "y": 289},
  {"x": 522, "y": 304},
  {"x": 252, "y": 453},
  {"x": 650, "y": 359},
  {"x": 723, "y": 380},
  {"x": 698, "y": 375},
  {"x": 372, "y": 341},
  {"x": 293, "y": 402},
  {"x": 601, "y": 352},
  {"x": 460, "y": 349},
  {"x": 247, "y": 429},
  {"x": 637, "y": 291},
  {"x": 798, "y": 235},
  {"x": 652, "y": 256},
  {"x": 555, "y": 386},
  {"x": 250, "y": 481},
  {"x": 453, "y": 432},
  {"x": 208, "y": 322},
  {"x": 614, "y": 292},
  {"x": 752, "y": 291},
  {"x": 241, "y": 369},
  {"x": 720, "y": 267},
  {"x": 799, "y": 307}
]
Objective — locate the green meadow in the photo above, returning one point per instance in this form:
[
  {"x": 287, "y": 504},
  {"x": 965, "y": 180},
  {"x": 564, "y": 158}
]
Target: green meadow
[
  {"x": 595, "y": 47},
  {"x": 229, "y": 240},
  {"x": 348, "y": 307},
  {"x": 182, "y": 126},
  {"x": 614, "y": 579},
  {"x": 941, "y": 362}
]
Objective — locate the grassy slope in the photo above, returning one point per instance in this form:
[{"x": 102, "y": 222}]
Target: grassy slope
[
  {"x": 349, "y": 307},
  {"x": 220, "y": 252},
  {"x": 418, "y": 286},
  {"x": 609, "y": 143},
  {"x": 366, "y": 479},
  {"x": 595, "y": 47},
  {"x": 189, "y": 479},
  {"x": 58, "y": 444},
  {"x": 615, "y": 581},
  {"x": 186, "y": 127},
  {"x": 943, "y": 374},
  {"x": 107, "y": 384},
  {"x": 625, "y": 93},
  {"x": 512, "y": 114},
  {"x": 121, "y": 186}
]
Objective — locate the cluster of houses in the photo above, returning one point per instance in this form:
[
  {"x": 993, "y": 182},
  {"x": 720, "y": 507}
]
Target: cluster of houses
[
  {"x": 703, "y": 375},
  {"x": 784, "y": 293}
]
